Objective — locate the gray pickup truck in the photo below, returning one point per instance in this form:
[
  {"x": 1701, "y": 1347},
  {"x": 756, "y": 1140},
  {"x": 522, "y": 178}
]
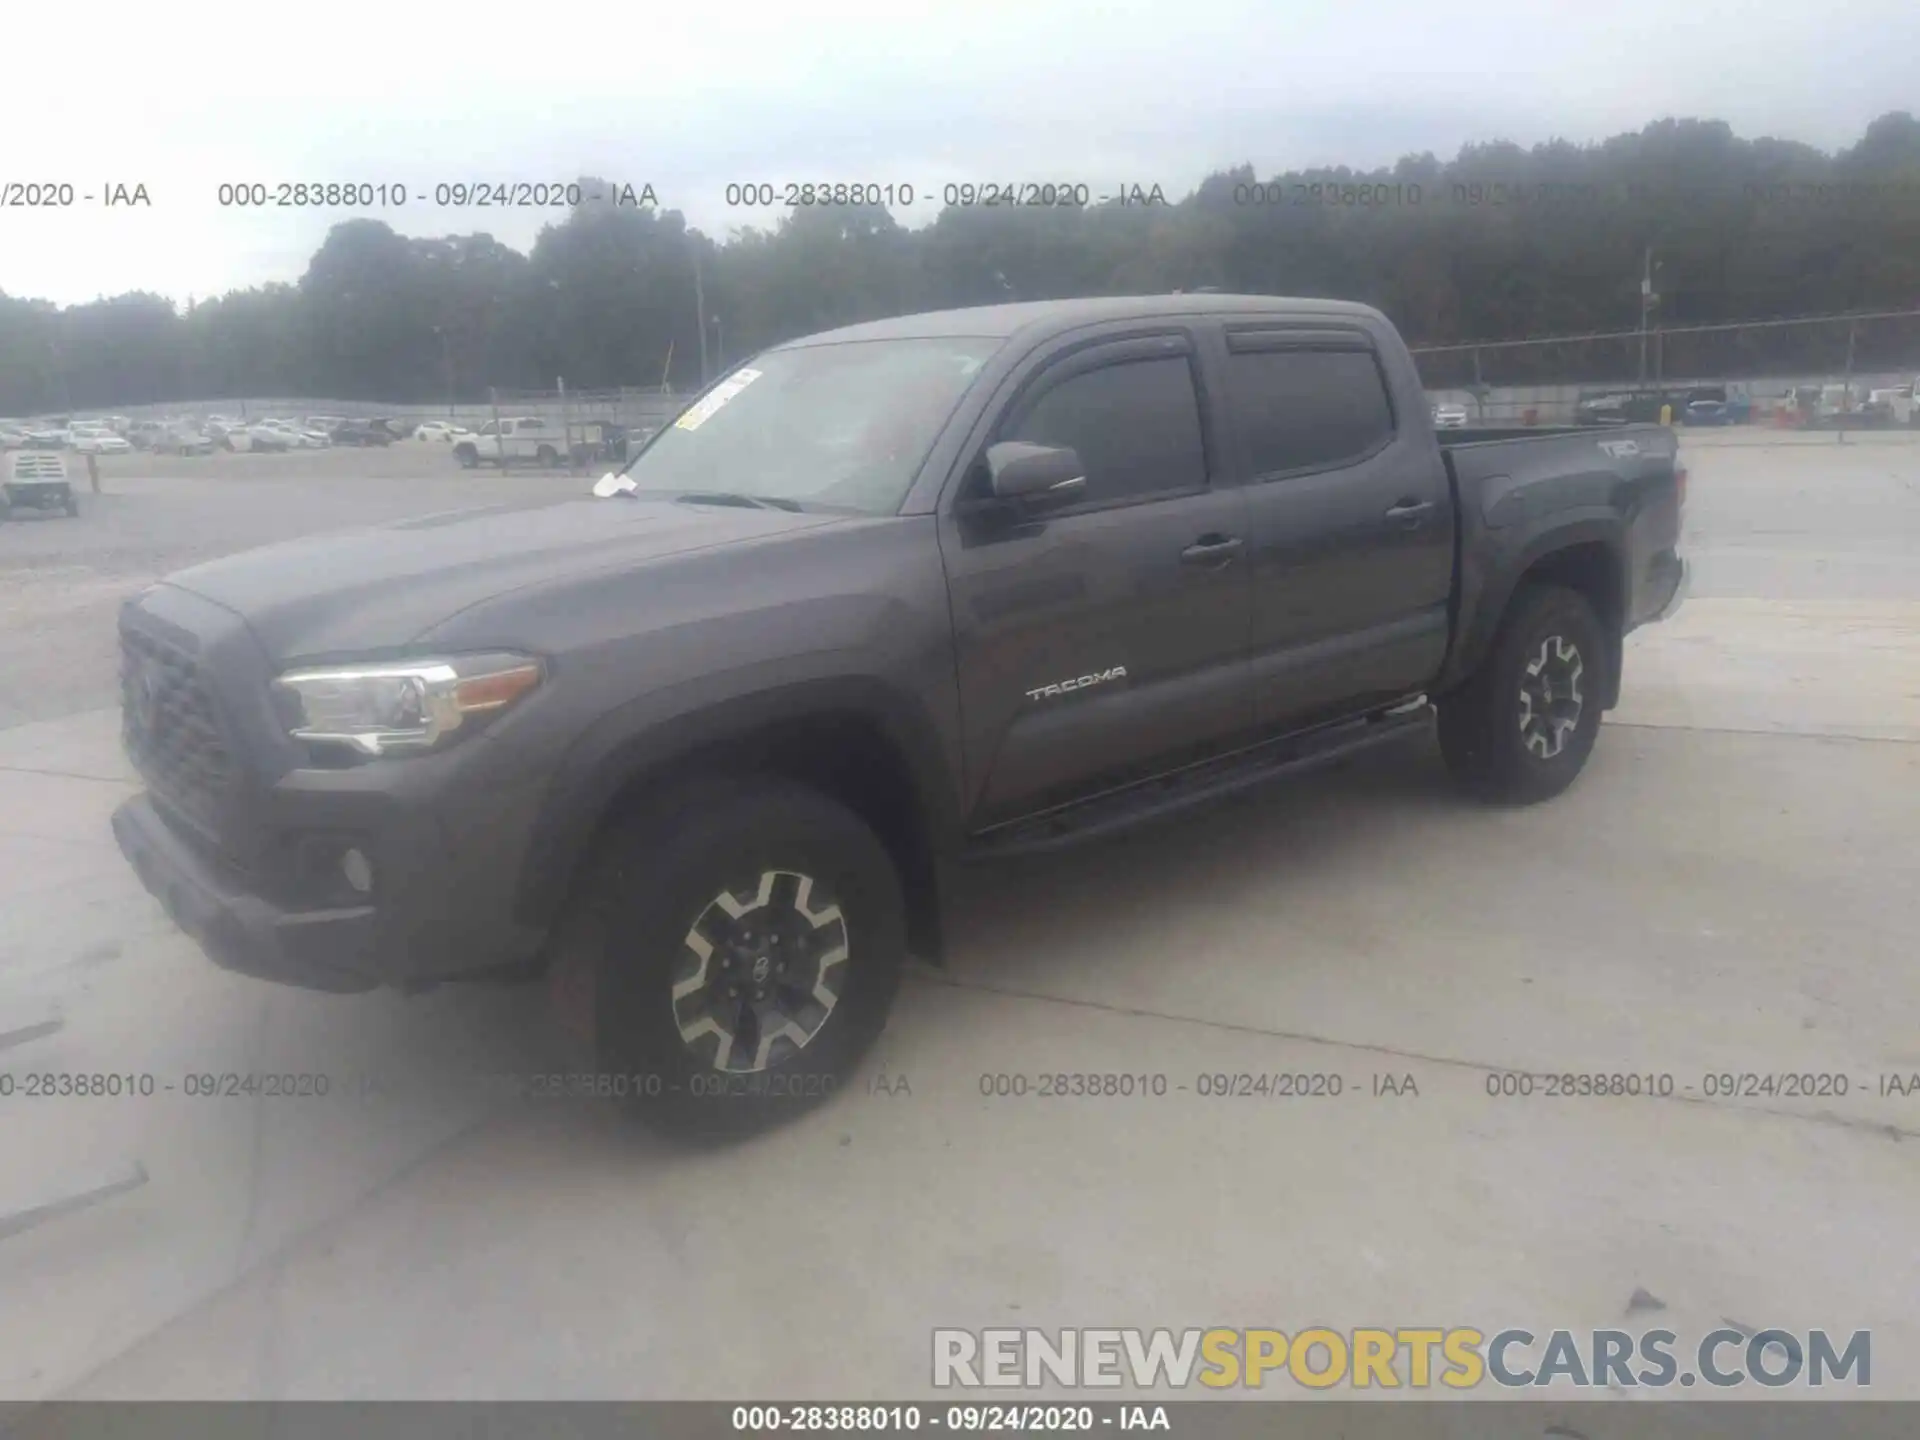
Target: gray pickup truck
[{"x": 945, "y": 587}]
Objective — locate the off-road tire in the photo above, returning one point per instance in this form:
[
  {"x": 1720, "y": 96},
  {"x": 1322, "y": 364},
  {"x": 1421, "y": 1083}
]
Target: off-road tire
[
  {"x": 72, "y": 506},
  {"x": 1482, "y": 725},
  {"x": 656, "y": 878},
  {"x": 467, "y": 456},
  {"x": 547, "y": 457}
]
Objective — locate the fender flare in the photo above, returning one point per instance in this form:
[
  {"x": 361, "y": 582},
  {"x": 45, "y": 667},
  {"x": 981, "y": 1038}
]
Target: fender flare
[
  {"x": 633, "y": 742},
  {"x": 1484, "y": 606}
]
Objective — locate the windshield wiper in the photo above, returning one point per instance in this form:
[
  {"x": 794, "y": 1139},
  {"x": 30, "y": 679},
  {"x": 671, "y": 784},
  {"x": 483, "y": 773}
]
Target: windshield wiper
[{"x": 734, "y": 497}]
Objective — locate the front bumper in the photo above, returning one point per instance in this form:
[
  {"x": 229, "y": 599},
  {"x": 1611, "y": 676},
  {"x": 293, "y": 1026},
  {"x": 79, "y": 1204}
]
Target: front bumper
[
  {"x": 247, "y": 841},
  {"x": 321, "y": 950}
]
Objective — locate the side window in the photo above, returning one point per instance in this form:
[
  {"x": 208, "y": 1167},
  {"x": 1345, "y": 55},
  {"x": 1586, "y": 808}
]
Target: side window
[
  {"x": 1136, "y": 425},
  {"x": 1301, "y": 408}
]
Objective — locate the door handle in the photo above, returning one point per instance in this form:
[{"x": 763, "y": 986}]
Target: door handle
[
  {"x": 1409, "y": 513},
  {"x": 1211, "y": 550}
]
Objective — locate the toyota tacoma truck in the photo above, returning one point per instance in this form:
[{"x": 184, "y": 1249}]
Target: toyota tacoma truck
[{"x": 940, "y": 588}]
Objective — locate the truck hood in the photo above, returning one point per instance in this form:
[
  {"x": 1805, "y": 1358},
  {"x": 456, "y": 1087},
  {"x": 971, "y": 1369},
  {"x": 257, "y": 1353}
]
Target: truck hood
[{"x": 377, "y": 589}]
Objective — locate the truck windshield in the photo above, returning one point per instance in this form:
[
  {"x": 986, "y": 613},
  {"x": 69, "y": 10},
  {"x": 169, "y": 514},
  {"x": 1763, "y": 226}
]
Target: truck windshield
[{"x": 841, "y": 426}]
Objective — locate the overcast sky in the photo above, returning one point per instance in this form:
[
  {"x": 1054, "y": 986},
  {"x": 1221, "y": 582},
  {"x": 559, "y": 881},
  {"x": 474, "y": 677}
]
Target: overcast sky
[{"x": 689, "y": 99}]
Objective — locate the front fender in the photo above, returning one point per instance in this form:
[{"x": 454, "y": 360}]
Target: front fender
[{"x": 664, "y": 732}]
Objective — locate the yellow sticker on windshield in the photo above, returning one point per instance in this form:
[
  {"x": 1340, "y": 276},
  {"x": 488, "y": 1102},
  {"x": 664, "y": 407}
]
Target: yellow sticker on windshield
[{"x": 699, "y": 414}]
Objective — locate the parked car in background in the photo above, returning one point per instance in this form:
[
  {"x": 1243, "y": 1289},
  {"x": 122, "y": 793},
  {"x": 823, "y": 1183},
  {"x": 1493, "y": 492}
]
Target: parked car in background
[
  {"x": 299, "y": 434},
  {"x": 1630, "y": 405},
  {"x": 1838, "y": 405},
  {"x": 1449, "y": 417},
  {"x": 99, "y": 440},
  {"x": 1706, "y": 406},
  {"x": 395, "y": 429},
  {"x": 439, "y": 430},
  {"x": 183, "y": 440},
  {"x": 515, "y": 440},
  {"x": 360, "y": 433},
  {"x": 1890, "y": 406},
  {"x": 597, "y": 441},
  {"x": 273, "y": 436},
  {"x": 12, "y": 437}
]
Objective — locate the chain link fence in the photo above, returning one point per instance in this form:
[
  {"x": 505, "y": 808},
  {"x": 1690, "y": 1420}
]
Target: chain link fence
[
  {"x": 1833, "y": 372},
  {"x": 634, "y": 409},
  {"x": 1828, "y": 372}
]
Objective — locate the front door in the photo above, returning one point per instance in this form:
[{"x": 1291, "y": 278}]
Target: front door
[{"x": 1102, "y": 640}]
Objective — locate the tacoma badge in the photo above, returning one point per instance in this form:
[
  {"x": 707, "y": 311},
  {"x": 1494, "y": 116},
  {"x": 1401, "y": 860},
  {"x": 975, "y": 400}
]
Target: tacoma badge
[{"x": 1118, "y": 672}]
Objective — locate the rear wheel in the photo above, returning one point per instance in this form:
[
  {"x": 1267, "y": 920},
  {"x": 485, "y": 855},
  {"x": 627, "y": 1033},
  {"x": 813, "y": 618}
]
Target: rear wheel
[
  {"x": 1521, "y": 728},
  {"x": 468, "y": 457},
  {"x": 547, "y": 456},
  {"x": 744, "y": 941},
  {"x": 72, "y": 506}
]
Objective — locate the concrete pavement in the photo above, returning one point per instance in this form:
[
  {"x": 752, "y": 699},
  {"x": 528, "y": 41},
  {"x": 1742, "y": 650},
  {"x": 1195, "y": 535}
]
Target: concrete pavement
[{"x": 1726, "y": 892}]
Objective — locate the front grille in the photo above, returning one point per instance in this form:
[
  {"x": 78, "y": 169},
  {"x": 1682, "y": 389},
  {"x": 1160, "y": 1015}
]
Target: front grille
[{"x": 170, "y": 727}]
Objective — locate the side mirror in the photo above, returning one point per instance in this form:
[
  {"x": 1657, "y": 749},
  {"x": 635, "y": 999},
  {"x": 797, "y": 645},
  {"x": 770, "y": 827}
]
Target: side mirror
[{"x": 1020, "y": 471}]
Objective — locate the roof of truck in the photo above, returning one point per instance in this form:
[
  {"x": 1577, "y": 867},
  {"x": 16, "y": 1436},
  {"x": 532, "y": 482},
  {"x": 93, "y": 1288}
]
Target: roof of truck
[{"x": 1004, "y": 321}]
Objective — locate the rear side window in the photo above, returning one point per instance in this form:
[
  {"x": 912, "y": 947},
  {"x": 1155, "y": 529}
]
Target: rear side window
[
  {"x": 1305, "y": 408},
  {"x": 1136, "y": 425}
]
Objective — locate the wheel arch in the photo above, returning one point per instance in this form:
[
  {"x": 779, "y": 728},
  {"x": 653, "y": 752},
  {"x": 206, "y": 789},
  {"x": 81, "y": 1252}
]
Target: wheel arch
[
  {"x": 1589, "y": 557},
  {"x": 855, "y": 739}
]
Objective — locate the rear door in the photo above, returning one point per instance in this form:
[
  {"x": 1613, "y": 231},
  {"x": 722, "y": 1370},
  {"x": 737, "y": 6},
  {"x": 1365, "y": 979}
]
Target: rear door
[
  {"x": 1104, "y": 640},
  {"x": 1351, "y": 522}
]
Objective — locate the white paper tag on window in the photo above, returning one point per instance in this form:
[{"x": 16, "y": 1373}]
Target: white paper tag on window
[{"x": 715, "y": 398}]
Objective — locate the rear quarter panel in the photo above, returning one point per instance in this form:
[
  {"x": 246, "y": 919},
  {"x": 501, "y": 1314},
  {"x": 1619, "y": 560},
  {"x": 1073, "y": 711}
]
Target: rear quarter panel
[{"x": 1524, "y": 497}]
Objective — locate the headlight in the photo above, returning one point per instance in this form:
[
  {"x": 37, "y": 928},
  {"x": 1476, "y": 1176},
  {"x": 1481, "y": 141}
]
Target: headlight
[{"x": 401, "y": 706}]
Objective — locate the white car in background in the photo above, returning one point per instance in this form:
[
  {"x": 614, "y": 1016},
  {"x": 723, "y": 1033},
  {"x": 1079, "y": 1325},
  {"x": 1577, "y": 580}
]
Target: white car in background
[
  {"x": 98, "y": 440},
  {"x": 1449, "y": 417},
  {"x": 288, "y": 435},
  {"x": 271, "y": 435},
  {"x": 442, "y": 430}
]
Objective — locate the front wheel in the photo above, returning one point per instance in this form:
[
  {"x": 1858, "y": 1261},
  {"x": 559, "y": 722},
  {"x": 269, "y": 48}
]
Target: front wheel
[
  {"x": 547, "y": 457},
  {"x": 745, "y": 941},
  {"x": 1522, "y": 726},
  {"x": 468, "y": 457}
]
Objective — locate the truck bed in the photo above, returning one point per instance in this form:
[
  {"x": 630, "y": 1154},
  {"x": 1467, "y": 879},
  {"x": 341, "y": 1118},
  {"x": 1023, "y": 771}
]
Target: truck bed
[{"x": 1507, "y": 483}]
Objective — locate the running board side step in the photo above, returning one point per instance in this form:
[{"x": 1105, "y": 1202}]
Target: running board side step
[{"x": 1212, "y": 780}]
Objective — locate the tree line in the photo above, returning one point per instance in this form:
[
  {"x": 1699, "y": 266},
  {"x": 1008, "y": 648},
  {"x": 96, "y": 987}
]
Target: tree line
[{"x": 1499, "y": 242}]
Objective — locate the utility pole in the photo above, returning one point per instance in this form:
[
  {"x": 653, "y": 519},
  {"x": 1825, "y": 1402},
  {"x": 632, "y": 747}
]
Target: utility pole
[
  {"x": 700, "y": 312},
  {"x": 1646, "y": 305},
  {"x": 1846, "y": 384},
  {"x": 446, "y": 360}
]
